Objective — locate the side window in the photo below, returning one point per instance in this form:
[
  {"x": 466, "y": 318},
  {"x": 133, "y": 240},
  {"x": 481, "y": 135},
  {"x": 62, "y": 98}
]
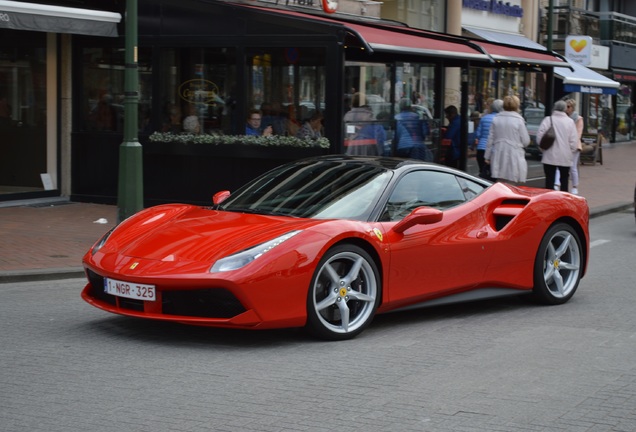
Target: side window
[
  {"x": 424, "y": 188},
  {"x": 470, "y": 188}
]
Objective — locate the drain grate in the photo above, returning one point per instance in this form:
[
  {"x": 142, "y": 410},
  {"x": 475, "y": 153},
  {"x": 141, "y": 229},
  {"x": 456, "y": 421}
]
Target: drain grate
[{"x": 49, "y": 204}]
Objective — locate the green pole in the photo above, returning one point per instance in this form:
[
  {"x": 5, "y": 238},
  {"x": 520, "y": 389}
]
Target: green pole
[
  {"x": 130, "y": 188},
  {"x": 549, "y": 24}
]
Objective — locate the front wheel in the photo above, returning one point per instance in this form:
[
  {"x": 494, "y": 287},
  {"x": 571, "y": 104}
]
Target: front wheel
[
  {"x": 558, "y": 265},
  {"x": 344, "y": 294}
]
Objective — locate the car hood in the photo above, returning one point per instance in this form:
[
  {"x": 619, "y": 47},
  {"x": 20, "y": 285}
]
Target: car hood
[{"x": 200, "y": 234}]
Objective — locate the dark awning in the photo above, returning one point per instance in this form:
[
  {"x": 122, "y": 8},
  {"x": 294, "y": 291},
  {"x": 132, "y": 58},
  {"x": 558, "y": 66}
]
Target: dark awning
[
  {"x": 515, "y": 49},
  {"x": 57, "y": 19},
  {"x": 399, "y": 40},
  {"x": 388, "y": 38},
  {"x": 504, "y": 38},
  {"x": 383, "y": 36},
  {"x": 509, "y": 56}
]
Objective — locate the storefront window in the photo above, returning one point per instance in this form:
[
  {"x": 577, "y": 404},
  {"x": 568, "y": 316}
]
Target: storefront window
[
  {"x": 415, "y": 82},
  {"x": 23, "y": 113},
  {"x": 198, "y": 90},
  {"x": 486, "y": 85},
  {"x": 368, "y": 118},
  {"x": 103, "y": 75},
  {"x": 624, "y": 113},
  {"x": 287, "y": 86}
]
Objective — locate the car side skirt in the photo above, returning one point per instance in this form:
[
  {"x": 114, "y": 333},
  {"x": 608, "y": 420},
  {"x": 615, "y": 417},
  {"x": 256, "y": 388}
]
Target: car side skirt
[{"x": 463, "y": 297}]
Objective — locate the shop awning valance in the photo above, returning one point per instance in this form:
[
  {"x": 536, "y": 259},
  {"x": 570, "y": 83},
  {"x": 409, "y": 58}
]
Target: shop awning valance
[{"x": 57, "y": 19}]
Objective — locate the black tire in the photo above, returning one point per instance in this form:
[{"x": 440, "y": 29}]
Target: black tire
[
  {"x": 558, "y": 265},
  {"x": 344, "y": 293}
]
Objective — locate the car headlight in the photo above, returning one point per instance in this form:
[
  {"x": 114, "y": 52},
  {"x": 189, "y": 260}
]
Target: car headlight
[
  {"x": 241, "y": 259},
  {"x": 101, "y": 241}
]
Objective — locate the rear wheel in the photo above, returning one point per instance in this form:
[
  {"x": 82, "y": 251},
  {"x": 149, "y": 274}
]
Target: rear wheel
[
  {"x": 344, "y": 293},
  {"x": 558, "y": 265}
]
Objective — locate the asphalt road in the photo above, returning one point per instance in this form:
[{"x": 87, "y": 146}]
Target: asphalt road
[{"x": 498, "y": 365}]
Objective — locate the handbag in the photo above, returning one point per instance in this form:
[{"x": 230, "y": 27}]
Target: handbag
[{"x": 548, "y": 138}]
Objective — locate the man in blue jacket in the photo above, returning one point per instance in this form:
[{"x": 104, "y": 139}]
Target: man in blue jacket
[
  {"x": 410, "y": 133},
  {"x": 481, "y": 137}
]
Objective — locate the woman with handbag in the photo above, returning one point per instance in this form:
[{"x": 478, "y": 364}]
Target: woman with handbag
[{"x": 561, "y": 153}]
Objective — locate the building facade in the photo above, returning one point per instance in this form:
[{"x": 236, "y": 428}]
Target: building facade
[
  {"x": 611, "y": 27},
  {"x": 207, "y": 65}
]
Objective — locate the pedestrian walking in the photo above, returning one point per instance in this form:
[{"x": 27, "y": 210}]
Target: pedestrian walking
[
  {"x": 561, "y": 154},
  {"x": 574, "y": 169},
  {"x": 507, "y": 140},
  {"x": 481, "y": 137}
]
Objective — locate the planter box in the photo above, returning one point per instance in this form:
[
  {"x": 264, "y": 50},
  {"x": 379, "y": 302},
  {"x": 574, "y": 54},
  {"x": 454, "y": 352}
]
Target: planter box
[
  {"x": 232, "y": 150},
  {"x": 173, "y": 171}
]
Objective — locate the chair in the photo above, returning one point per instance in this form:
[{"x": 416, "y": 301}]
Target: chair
[{"x": 595, "y": 154}]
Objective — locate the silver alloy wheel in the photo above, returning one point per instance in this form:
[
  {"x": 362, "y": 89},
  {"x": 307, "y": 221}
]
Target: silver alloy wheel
[
  {"x": 562, "y": 264},
  {"x": 344, "y": 294}
]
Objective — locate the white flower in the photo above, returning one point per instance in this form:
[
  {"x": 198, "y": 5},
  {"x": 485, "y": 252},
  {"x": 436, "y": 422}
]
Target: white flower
[{"x": 264, "y": 141}]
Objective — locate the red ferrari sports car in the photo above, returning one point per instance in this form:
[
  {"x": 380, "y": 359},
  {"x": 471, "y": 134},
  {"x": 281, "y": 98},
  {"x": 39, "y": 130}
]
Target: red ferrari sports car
[{"x": 328, "y": 242}]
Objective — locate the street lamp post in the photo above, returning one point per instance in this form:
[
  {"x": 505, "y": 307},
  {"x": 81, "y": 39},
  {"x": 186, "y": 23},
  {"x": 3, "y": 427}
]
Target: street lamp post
[{"x": 130, "y": 187}]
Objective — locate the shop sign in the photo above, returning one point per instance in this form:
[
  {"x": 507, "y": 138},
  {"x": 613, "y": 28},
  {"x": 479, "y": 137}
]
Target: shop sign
[
  {"x": 579, "y": 49},
  {"x": 624, "y": 77},
  {"x": 200, "y": 91},
  {"x": 329, "y": 6},
  {"x": 574, "y": 88},
  {"x": 496, "y": 7}
]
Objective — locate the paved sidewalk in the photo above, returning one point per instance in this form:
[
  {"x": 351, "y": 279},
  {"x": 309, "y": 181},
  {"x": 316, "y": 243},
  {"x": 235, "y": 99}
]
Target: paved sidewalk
[{"x": 46, "y": 239}]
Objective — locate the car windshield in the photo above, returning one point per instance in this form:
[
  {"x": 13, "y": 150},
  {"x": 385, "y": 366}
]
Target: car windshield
[
  {"x": 320, "y": 190},
  {"x": 534, "y": 117}
]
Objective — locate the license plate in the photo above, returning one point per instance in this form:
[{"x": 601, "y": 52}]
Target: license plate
[{"x": 129, "y": 290}]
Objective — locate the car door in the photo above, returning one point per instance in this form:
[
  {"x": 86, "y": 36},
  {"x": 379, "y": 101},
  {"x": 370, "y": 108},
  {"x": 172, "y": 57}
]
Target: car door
[{"x": 448, "y": 255}]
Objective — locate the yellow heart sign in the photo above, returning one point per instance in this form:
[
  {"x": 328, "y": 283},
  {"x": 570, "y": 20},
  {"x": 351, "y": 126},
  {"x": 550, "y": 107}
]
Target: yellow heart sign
[{"x": 578, "y": 45}]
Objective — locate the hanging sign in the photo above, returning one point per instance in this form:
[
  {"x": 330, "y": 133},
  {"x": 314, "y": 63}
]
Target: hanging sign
[{"x": 579, "y": 49}]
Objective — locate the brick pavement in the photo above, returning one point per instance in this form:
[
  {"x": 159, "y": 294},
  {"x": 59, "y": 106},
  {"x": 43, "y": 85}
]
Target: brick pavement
[{"x": 42, "y": 239}]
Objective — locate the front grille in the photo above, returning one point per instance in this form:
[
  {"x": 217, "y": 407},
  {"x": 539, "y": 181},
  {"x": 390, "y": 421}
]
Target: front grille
[
  {"x": 97, "y": 289},
  {"x": 206, "y": 303}
]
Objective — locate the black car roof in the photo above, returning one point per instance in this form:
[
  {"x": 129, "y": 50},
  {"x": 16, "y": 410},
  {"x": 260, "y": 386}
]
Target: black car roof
[{"x": 392, "y": 163}]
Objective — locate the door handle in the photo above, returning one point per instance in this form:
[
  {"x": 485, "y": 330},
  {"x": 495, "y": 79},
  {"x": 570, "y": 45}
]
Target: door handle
[{"x": 482, "y": 234}]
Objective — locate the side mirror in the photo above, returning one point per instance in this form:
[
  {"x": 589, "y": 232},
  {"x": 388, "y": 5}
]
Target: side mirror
[
  {"x": 219, "y": 197},
  {"x": 419, "y": 216}
]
